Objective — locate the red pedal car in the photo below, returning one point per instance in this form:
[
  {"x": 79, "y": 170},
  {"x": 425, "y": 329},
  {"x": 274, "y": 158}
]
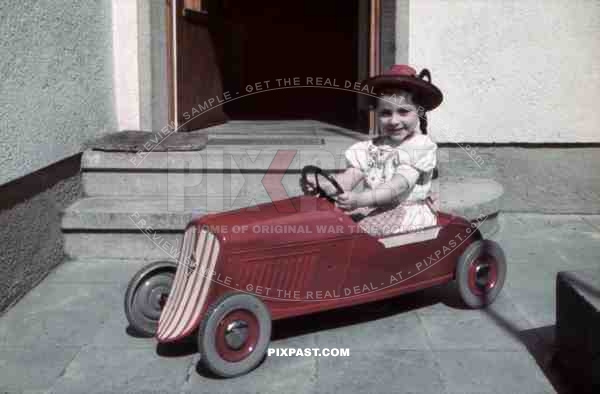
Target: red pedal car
[{"x": 238, "y": 271}]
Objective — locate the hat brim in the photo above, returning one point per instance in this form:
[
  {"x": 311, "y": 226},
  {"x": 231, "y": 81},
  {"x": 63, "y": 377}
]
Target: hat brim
[{"x": 426, "y": 94}]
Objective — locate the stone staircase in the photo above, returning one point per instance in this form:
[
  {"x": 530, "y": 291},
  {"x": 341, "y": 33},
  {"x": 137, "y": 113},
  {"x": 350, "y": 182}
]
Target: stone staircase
[{"x": 137, "y": 205}]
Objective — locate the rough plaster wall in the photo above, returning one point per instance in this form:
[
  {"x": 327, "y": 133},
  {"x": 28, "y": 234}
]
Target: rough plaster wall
[
  {"x": 32, "y": 242},
  {"x": 511, "y": 71},
  {"x": 56, "y": 86}
]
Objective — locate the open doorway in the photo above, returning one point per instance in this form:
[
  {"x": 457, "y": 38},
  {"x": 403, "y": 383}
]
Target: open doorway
[
  {"x": 267, "y": 40},
  {"x": 226, "y": 45}
]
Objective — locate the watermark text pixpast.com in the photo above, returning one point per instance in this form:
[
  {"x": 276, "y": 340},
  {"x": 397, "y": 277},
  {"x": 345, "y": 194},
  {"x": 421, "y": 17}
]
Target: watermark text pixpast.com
[{"x": 309, "y": 352}]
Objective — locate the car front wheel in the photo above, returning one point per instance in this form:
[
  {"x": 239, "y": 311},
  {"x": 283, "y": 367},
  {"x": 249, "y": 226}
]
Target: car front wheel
[
  {"x": 147, "y": 294},
  {"x": 234, "y": 334}
]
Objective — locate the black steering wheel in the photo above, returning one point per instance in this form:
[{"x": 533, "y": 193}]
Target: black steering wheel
[{"x": 318, "y": 189}]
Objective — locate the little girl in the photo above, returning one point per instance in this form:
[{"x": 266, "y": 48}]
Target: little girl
[{"x": 396, "y": 167}]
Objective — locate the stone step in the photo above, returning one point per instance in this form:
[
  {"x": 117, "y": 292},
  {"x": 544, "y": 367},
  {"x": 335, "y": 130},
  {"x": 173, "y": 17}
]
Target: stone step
[
  {"x": 124, "y": 213},
  {"x": 191, "y": 185},
  {"x": 166, "y": 212},
  {"x": 122, "y": 245},
  {"x": 251, "y": 157},
  {"x": 216, "y": 169},
  {"x": 120, "y": 226}
]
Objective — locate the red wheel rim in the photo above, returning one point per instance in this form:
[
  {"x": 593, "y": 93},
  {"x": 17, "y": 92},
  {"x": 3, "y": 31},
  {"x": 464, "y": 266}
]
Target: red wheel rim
[
  {"x": 239, "y": 328},
  {"x": 483, "y": 275}
]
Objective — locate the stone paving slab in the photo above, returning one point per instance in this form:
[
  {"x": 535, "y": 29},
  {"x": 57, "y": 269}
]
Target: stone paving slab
[
  {"x": 397, "y": 331},
  {"x": 96, "y": 271},
  {"x": 494, "y": 328},
  {"x": 70, "y": 335},
  {"x": 502, "y": 371},
  {"x": 274, "y": 375},
  {"x": 562, "y": 238},
  {"x": 381, "y": 371},
  {"x": 33, "y": 367},
  {"x": 59, "y": 313},
  {"x": 107, "y": 370}
]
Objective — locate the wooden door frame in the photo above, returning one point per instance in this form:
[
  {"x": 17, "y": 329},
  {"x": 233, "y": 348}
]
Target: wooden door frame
[
  {"x": 171, "y": 10},
  {"x": 374, "y": 53}
]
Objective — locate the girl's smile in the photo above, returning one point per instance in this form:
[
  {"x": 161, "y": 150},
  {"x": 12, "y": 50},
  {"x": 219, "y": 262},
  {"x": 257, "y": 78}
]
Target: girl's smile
[{"x": 397, "y": 115}]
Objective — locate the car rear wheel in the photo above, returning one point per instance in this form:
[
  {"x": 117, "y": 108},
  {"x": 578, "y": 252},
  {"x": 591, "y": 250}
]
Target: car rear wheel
[
  {"x": 480, "y": 273},
  {"x": 234, "y": 334},
  {"x": 147, "y": 294}
]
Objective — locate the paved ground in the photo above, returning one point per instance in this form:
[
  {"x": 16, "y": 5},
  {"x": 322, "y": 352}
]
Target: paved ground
[{"x": 69, "y": 334}]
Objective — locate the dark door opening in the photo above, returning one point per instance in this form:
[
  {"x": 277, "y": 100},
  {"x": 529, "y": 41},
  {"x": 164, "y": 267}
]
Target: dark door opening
[
  {"x": 217, "y": 46},
  {"x": 267, "y": 40}
]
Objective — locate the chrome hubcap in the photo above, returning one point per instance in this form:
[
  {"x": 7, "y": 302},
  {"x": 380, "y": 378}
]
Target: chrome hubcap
[
  {"x": 482, "y": 272},
  {"x": 236, "y": 334}
]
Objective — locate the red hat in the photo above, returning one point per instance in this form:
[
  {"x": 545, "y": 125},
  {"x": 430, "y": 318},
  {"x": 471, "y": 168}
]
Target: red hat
[{"x": 404, "y": 77}]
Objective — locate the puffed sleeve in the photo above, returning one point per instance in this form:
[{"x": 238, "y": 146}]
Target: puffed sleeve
[
  {"x": 420, "y": 155},
  {"x": 356, "y": 155},
  {"x": 425, "y": 158}
]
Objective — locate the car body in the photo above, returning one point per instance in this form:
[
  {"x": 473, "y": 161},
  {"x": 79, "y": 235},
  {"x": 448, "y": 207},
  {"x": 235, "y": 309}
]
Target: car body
[
  {"x": 308, "y": 259},
  {"x": 240, "y": 270}
]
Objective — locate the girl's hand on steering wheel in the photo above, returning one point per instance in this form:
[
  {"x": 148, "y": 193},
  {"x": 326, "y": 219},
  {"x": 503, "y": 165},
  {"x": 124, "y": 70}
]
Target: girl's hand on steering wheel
[
  {"x": 311, "y": 185},
  {"x": 348, "y": 201}
]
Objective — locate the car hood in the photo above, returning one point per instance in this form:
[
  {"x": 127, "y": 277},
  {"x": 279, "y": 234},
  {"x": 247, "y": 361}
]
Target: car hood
[{"x": 294, "y": 220}]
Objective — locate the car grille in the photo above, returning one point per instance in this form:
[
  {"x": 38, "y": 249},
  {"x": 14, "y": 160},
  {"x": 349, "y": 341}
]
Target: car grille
[{"x": 195, "y": 267}]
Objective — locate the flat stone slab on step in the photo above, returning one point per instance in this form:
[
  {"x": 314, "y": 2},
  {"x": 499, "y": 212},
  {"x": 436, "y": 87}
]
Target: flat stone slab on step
[
  {"x": 470, "y": 198},
  {"x": 136, "y": 141},
  {"x": 578, "y": 326}
]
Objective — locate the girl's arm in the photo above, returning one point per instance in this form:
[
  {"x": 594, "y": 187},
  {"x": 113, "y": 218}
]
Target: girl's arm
[
  {"x": 383, "y": 194},
  {"x": 349, "y": 178}
]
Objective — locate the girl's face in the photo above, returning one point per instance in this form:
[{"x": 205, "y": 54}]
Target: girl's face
[{"x": 397, "y": 115}]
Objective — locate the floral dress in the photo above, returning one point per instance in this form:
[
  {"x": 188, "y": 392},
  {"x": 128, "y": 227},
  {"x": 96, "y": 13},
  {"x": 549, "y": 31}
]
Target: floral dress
[{"x": 379, "y": 163}]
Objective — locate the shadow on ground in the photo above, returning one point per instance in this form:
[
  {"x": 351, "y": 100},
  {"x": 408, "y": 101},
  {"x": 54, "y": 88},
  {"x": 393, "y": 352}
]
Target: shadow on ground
[{"x": 538, "y": 341}]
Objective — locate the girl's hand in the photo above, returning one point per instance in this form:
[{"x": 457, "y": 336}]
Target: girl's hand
[
  {"x": 348, "y": 201},
  {"x": 309, "y": 186}
]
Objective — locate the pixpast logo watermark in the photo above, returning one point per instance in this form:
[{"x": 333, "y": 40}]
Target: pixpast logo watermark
[{"x": 309, "y": 352}]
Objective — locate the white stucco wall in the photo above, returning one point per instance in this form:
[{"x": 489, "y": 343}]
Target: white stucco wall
[
  {"x": 139, "y": 58},
  {"x": 125, "y": 53},
  {"x": 511, "y": 71},
  {"x": 56, "y": 81}
]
